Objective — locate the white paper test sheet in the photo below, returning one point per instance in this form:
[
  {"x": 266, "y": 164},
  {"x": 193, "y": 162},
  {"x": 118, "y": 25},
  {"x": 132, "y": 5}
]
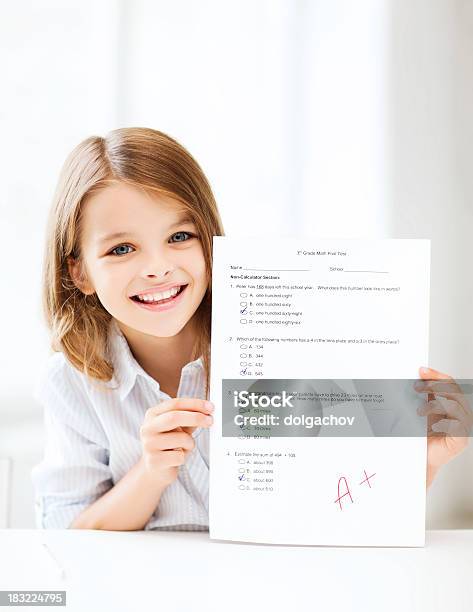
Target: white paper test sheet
[{"x": 318, "y": 309}]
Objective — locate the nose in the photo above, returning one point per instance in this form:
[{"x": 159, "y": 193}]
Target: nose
[
  {"x": 159, "y": 274},
  {"x": 164, "y": 275},
  {"x": 158, "y": 267}
]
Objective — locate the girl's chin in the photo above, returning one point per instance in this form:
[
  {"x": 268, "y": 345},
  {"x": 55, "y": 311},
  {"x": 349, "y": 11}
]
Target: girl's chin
[{"x": 157, "y": 330}]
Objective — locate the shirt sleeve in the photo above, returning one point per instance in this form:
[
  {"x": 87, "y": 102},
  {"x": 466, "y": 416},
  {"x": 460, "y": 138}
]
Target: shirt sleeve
[{"x": 75, "y": 470}]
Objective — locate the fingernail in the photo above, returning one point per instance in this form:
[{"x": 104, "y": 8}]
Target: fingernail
[
  {"x": 208, "y": 419},
  {"x": 425, "y": 370},
  {"x": 210, "y": 406}
]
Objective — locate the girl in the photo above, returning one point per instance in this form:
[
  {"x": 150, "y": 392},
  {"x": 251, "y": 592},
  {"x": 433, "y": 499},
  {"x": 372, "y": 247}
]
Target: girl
[{"x": 127, "y": 298}]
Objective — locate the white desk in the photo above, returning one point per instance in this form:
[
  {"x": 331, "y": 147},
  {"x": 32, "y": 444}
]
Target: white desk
[{"x": 186, "y": 571}]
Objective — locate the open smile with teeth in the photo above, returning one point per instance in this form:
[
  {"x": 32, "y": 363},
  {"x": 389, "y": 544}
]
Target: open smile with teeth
[{"x": 159, "y": 298}]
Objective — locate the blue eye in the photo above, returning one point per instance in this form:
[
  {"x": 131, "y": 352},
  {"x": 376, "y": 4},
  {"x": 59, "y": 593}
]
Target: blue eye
[
  {"x": 119, "y": 247},
  {"x": 181, "y": 238},
  {"x": 181, "y": 234}
]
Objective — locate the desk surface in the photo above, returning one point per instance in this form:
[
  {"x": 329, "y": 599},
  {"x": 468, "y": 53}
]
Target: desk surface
[{"x": 153, "y": 570}]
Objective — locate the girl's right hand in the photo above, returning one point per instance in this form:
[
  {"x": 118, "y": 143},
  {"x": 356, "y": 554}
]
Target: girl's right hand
[{"x": 166, "y": 434}]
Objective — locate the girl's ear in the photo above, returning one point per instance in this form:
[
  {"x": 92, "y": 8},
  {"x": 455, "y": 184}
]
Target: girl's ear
[{"x": 78, "y": 276}]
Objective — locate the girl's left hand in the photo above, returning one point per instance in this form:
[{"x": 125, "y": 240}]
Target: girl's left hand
[{"x": 448, "y": 422}]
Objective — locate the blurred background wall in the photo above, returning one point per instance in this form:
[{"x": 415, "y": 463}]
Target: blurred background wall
[{"x": 310, "y": 117}]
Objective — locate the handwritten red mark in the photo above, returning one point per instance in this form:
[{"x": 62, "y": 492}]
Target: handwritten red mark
[
  {"x": 347, "y": 492},
  {"x": 367, "y": 479}
]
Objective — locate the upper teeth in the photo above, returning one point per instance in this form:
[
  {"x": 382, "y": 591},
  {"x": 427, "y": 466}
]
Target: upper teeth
[{"x": 154, "y": 297}]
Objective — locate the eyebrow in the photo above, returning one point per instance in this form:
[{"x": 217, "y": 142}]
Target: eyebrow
[{"x": 183, "y": 219}]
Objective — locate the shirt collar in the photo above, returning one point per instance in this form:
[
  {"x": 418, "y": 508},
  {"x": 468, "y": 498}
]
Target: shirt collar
[{"x": 126, "y": 368}]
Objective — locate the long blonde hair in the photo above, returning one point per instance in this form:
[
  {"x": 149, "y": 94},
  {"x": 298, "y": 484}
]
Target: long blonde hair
[{"x": 152, "y": 160}]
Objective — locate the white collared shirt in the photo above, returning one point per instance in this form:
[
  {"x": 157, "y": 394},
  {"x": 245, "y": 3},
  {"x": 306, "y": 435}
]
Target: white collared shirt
[{"x": 92, "y": 441}]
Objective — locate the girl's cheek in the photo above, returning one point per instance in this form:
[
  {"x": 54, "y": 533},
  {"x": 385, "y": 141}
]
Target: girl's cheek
[
  {"x": 199, "y": 262},
  {"x": 199, "y": 274},
  {"x": 192, "y": 261}
]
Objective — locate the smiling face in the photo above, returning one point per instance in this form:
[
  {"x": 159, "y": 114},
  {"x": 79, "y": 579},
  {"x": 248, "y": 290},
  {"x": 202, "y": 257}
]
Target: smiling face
[{"x": 157, "y": 250}]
